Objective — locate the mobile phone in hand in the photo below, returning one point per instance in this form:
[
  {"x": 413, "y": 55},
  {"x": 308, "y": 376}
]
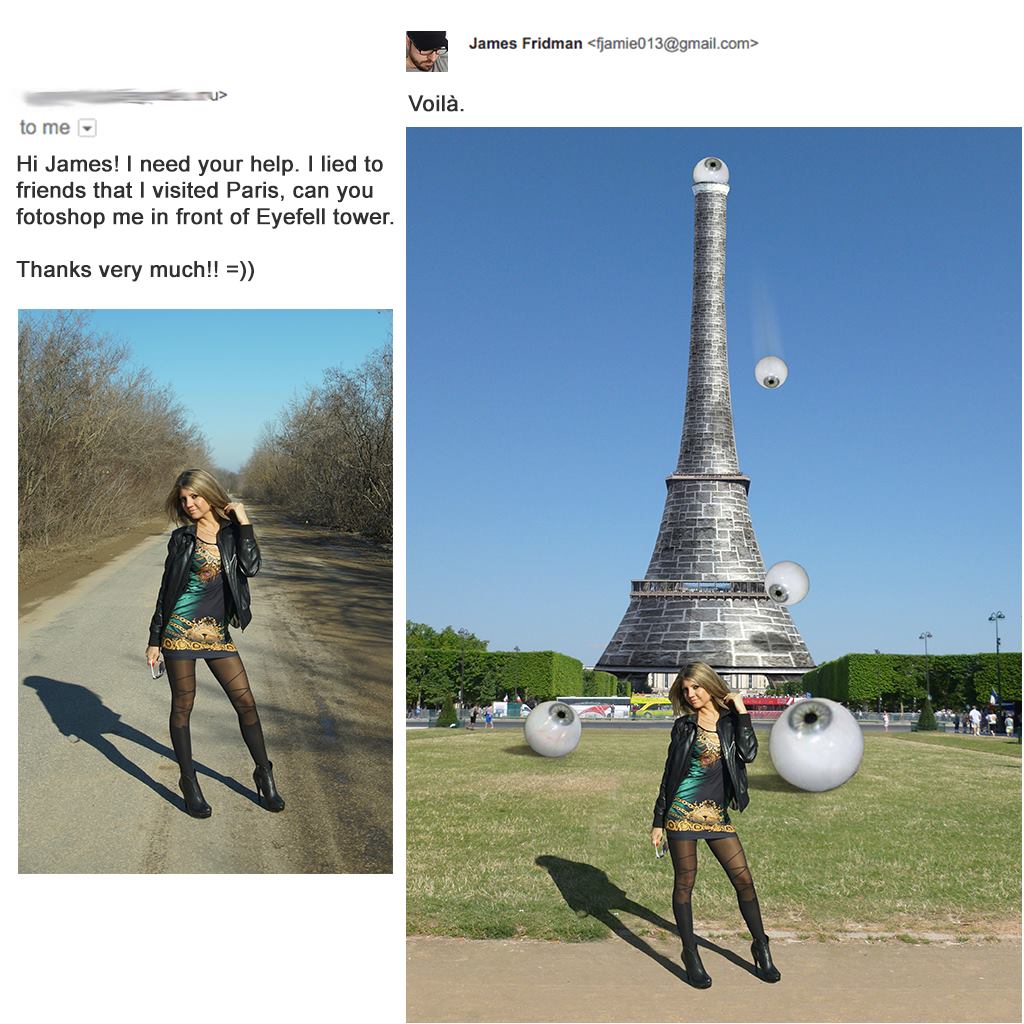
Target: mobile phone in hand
[{"x": 157, "y": 669}]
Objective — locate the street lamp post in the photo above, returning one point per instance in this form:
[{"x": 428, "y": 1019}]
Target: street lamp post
[
  {"x": 926, "y": 636},
  {"x": 462, "y": 672},
  {"x": 995, "y": 617}
]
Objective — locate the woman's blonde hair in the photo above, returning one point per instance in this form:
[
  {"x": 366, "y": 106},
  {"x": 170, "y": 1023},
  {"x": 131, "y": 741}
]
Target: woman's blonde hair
[
  {"x": 205, "y": 486},
  {"x": 703, "y": 675}
]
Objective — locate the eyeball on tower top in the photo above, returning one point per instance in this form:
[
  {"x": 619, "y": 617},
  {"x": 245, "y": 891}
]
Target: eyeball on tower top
[{"x": 711, "y": 170}]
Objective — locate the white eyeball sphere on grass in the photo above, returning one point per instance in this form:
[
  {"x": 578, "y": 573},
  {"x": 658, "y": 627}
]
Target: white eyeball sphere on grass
[
  {"x": 816, "y": 744},
  {"x": 786, "y": 583},
  {"x": 553, "y": 729},
  {"x": 771, "y": 372}
]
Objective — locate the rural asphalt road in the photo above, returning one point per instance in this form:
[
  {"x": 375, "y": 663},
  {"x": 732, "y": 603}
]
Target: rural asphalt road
[{"x": 98, "y": 779}]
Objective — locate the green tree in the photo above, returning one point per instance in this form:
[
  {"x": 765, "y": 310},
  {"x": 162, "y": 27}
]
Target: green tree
[
  {"x": 926, "y": 723},
  {"x": 447, "y": 717},
  {"x": 419, "y": 634}
]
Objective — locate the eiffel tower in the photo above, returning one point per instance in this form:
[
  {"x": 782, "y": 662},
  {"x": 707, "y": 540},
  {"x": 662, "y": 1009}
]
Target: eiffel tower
[{"x": 703, "y": 596}]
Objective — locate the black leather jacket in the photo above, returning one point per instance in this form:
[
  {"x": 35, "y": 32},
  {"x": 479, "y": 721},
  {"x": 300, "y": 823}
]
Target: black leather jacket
[
  {"x": 739, "y": 748},
  {"x": 239, "y": 559}
]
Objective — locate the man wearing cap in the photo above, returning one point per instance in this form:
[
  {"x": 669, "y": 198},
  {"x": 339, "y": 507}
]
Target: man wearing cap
[{"x": 426, "y": 51}]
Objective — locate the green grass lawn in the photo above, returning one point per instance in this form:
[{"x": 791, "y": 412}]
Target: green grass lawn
[
  {"x": 984, "y": 744},
  {"x": 501, "y": 842}
]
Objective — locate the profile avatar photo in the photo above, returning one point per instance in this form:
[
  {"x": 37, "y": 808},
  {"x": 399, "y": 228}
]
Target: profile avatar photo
[{"x": 426, "y": 51}]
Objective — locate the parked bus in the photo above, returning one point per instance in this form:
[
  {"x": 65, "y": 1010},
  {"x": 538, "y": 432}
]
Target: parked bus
[
  {"x": 598, "y": 707},
  {"x": 767, "y": 709}
]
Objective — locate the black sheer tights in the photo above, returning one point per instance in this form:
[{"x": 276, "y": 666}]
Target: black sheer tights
[
  {"x": 684, "y": 864},
  {"x": 729, "y": 853},
  {"x": 182, "y": 677},
  {"x": 230, "y": 673}
]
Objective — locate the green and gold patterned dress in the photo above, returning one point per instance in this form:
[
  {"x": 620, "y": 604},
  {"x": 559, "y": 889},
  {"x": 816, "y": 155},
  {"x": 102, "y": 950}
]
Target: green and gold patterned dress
[
  {"x": 698, "y": 809},
  {"x": 198, "y": 627}
]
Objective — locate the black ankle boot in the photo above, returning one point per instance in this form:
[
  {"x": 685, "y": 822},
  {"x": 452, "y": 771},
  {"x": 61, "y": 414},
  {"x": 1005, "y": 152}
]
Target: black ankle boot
[
  {"x": 269, "y": 796},
  {"x": 766, "y": 970},
  {"x": 194, "y": 802},
  {"x": 695, "y": 973}
]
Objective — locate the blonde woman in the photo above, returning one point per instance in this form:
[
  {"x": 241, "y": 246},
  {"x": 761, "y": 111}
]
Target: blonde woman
[
  {"x": 705, "y": 774},
  {"x": 205, "y": 588}
]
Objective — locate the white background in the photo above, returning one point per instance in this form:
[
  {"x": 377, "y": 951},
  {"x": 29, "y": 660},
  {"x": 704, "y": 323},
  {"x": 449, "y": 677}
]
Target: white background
[{"x": 310, "y": 78}]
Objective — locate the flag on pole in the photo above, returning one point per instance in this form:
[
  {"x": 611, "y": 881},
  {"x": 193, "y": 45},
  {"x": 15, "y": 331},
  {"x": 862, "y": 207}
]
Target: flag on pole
[{"x": 992, "y": 698}]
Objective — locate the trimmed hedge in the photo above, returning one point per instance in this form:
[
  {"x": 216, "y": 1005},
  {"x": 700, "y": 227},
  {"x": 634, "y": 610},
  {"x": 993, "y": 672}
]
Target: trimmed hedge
[
  {"x": 956, "y": 680},
  {"x": 485, "y": 676},
  {"x": 602, "y": 684}
]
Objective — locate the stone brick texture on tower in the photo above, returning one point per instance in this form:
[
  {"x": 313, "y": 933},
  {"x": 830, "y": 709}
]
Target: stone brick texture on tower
[
  {"x": 703, "y": 597},
  {"x": 708, "y": 444}
]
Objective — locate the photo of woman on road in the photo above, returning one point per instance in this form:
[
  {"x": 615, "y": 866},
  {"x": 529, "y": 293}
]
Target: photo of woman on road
[
  {"x": 204, "y": 590},
  {"x": 705, "y": 774}
]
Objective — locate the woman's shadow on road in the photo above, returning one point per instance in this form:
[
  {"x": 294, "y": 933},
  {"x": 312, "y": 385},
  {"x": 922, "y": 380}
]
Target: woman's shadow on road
[
  {"x": 589, "y": 891},
  {"x": 78, "y": 712}
]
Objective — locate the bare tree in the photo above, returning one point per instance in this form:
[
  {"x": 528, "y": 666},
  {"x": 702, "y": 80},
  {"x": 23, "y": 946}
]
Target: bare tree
[
  {"x": 99, "y": 443},
  {"x": 329, "y": 457}
]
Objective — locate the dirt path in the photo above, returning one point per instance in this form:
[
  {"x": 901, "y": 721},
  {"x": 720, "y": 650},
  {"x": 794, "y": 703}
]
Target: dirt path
[
  {"x": 98, "y": 781},
  {"x": 338, "y": 601},
  {"x": 854, "y": 980},
  {"x": 49, "y": 572}
]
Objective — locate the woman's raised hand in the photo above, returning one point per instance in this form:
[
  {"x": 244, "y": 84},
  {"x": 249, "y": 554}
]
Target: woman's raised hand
[
  {"x": 736, "y": 702},
  {"x": 237, "y": 509}
]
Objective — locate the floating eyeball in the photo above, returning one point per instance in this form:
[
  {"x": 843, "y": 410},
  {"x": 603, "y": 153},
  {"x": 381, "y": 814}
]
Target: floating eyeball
[
  {"x": 553, "y": 729},
  {"x": 771, "y": 372},
  {"x": 786, "y": 583},
  {"x": 816, "y": 744}
]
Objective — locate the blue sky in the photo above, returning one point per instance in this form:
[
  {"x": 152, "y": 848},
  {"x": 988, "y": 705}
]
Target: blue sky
[
  {"x": 548, "y": 329},
  {"x": 234, "y": 370}
]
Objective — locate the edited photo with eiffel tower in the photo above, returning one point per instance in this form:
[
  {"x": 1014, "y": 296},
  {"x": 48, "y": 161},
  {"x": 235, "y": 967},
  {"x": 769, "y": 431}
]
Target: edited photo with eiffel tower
[{"x": 703, "y": 597}]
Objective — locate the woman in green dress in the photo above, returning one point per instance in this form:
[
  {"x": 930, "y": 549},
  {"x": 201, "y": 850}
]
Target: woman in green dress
[
  {"x": 204, "y": 589},
  {"x": 705, "y": 774}
]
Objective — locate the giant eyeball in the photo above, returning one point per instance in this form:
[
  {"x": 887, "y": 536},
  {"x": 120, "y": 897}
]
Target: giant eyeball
[
  {"x": 816, "y": 744},
  {"x": 711, "y": 169},
  {"x": 553, "y": 729},
  {"x": 786, "y": 583},
  {"x": 771, "y": 372}
]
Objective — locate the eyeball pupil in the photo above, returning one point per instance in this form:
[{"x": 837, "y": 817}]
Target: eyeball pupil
[
  {"x": 561, "y": 714},
  {"x": 811, "y": 718}
]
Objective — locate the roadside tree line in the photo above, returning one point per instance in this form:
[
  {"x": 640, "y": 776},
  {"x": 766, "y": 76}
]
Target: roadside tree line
[
  {"x": 100, "y": 442},
  {"x": 328, "y": 457}
]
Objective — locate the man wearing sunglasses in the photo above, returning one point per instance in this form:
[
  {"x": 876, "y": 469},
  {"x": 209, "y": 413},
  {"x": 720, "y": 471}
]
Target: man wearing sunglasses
[{"x": 426, "y": 51}]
